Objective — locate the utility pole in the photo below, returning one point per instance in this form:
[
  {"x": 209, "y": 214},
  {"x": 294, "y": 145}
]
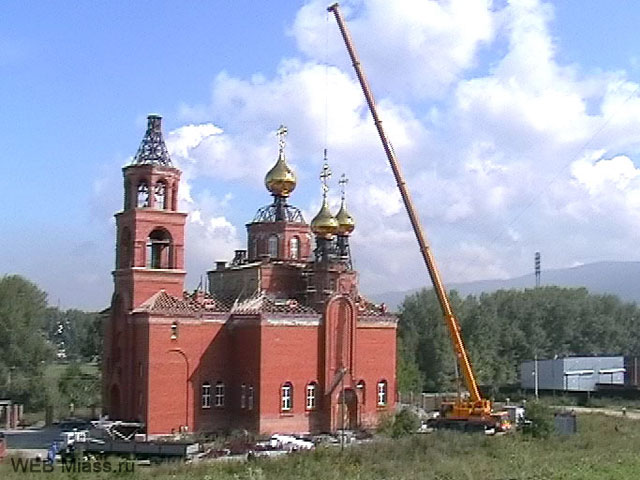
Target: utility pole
[
  {"x": 342, "y": 416},
  {"x": 537, "y": 269},
  {"x": 535, "y": 375}
]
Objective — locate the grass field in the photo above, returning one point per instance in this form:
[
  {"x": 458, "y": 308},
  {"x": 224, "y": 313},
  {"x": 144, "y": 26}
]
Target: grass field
[{"x": 604, "y": 448}]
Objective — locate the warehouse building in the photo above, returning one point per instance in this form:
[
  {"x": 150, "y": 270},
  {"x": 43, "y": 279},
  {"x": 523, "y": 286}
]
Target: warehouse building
[{"x": 575, "y": 374}]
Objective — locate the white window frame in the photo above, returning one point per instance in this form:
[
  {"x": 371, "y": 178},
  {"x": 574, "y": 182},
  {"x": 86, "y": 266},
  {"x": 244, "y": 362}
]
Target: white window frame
[
  {"x": 250, "y": 398},
  {"x": 273, "y": 246},
  {"x": 361, "y": 386},
  {"x": 243, "y": 396},
  {"x": 312, "y": 389},
  {"x": 294, "y": 248},
  {"x": 382, "y": 393},
  {"x": 206, "y": 395},
  {"x": 286, "y": 397},
  {"x": 219, "y": 394}
]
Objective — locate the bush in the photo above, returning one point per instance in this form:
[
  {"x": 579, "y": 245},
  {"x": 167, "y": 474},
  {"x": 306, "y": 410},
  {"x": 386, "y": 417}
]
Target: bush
[
  {"x": 405, "y": 422},
  {"x": 402, "y": 423},
  {"x": 541, "y": 418}
]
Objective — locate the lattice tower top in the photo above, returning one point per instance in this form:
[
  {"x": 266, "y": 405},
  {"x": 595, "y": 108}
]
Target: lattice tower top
[{"x": 152, "y": 150}]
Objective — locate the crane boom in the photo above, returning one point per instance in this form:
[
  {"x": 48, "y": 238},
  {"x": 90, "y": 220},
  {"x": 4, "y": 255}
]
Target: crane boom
[{"x": 425, "y": 249}]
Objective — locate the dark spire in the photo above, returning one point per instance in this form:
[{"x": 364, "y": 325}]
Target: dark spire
[{"x": 152, "y": 150}]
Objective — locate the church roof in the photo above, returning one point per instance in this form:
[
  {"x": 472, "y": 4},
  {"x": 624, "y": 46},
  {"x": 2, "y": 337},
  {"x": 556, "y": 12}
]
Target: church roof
[
  {"x": 370, "y": 309},
  {"x": 152, "y": 150},
  {"x": 162, "y": 302},
  {"x": 263, "y": 303}
]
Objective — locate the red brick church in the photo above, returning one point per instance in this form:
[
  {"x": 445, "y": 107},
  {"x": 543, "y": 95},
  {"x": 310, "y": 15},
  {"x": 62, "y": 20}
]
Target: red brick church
[{"x": 282, "y": 341}]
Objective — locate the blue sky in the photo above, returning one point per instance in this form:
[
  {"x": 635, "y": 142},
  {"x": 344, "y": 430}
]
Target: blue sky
[{"x": 478, "y": 96}]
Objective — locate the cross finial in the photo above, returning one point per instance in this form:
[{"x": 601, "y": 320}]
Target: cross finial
[
  {"x": 325, "y": 175},
  {"x": 343, "y": 184},
  {"x": 281, "y": 133}
]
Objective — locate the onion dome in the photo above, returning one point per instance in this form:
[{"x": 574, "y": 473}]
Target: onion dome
[
  {"x": 280, "y": 180},
  {"x": 346, "y": 223},
  {"x": 324, "y": 224}
]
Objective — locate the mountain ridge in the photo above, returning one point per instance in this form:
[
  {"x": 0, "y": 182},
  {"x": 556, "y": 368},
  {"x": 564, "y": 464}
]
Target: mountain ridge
[{"x": 621, "y": 278}]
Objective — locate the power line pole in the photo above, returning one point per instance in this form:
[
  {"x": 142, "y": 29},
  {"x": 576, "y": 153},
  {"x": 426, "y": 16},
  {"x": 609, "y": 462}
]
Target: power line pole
[
  {"x": 537, "y": 269},
  {"x": 535, "y": 375}
]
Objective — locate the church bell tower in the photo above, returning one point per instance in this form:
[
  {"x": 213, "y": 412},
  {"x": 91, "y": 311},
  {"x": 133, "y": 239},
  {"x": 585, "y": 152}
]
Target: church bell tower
[
  {"x": 150, "y": 230},
  {"x": 149, "y": 258}
]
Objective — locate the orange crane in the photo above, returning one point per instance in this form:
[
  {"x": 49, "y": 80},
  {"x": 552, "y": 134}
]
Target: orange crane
[{"x": 476, "y": 412}]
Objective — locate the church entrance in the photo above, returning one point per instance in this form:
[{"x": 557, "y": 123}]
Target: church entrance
[{"x": 347, "y": 408}]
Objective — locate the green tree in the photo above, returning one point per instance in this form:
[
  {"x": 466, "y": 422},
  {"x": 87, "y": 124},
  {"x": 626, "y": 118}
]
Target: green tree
[
  {"x": 77, "y": 333},
  {"x": 502, "y": 329},
  {"x": 78, "y": 387},
  {"x": 410, "y": 378},
  {"x": 23, "y": 344}
]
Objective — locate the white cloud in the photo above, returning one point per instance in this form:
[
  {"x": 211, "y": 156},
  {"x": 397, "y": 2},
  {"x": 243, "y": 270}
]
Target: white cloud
[
  {"x": 432, "y": 43},
  {"x": 497, "y": 167},
  {"x": 603, "y": 176}
]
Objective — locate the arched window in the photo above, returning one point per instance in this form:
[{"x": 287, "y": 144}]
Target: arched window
[
  {"x": 273, "y": 246},
  {"x": 312, "y": 390},
  {"x": 143, "y": 195},
  {"x": 294, "y": 248},
  {"x": 206, "y": 395},
  {"x": 286, "y": 397},
  {"x": 250, "y": 398},
  {"x": 159, "y": 246},
  {"x": 160, "y": 193},
  {"x": 243, "y": 396},
  {"x": 219, "y": 394},
  {"x": 124, "y": 251},
  {"x": 382, "y": 393},
  {"x": 362, "y": 390}
]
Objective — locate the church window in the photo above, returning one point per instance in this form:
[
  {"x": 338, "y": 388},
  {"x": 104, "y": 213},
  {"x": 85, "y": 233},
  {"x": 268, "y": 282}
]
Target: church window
[
  {"x": 286, "y": 397},
  {"x": 382, "y": 393},
  {"x": 143, "y": 195},
  {"x": 243, "y": 396},
  {"x": 311, "y": 395},
  {"x": 159, "y": 254},
  {"x": 219, "y": 394},
  {"x": 361, "y": 387},
  {"x": 294, "y": 248},
  {"x": 160, "y": 193},
  {"x": 273, "y": 246},
  {"x": 174, "y": 330},
  {"x": 250, "y": 398},
  {"x": 206, "y": 395}
]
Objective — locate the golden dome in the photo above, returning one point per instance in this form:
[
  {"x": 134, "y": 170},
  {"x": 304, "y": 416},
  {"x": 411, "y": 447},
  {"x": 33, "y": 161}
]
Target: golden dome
[
  {"x": 346, "y": 223},
  {"x": 280, "y": 180},
  {"x": 324, "y": 224}
]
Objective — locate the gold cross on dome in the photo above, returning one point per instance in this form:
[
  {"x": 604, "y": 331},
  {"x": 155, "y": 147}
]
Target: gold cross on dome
[
  {"x": 281, "y": 133},
  {"x": 325, "y": 175},
  {"x": 343, "y": 184}
]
